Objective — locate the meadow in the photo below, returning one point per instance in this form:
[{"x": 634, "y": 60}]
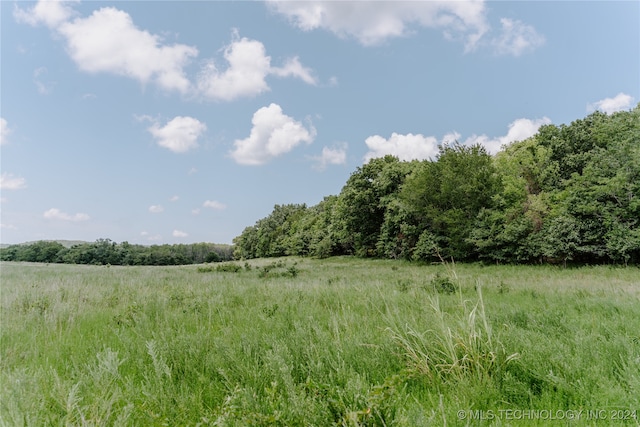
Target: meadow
[{"x": 306, "y": 342}]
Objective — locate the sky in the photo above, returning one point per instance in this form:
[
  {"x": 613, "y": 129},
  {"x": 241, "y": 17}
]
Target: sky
[{"x": 160, "y": 122}]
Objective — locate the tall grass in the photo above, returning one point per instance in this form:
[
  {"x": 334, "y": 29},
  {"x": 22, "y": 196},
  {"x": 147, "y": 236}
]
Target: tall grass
[
  {"x": 341, "y": 341},
  {"x": 459, "y": 347}
]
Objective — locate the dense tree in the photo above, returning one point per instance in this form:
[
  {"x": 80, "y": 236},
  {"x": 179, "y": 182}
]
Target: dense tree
[
  {"x": 105, "y": 251},
  {"x": 445, "y": 197},
  {"x": 270, "y": 236},
  {"x": 362, "y": 204}
]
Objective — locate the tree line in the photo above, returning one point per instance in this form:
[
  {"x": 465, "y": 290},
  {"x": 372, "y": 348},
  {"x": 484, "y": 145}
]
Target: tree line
[
  {"x": 570, "y": 193},
  {"x": 107, "y": 252}
]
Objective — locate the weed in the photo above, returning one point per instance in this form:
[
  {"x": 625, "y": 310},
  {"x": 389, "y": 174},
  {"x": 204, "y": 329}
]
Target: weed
[
  {"x": 503, "y": 288},
  {"x": 443, "y": 285},
  {"x": 220, "y": 268},
  {"x": 404, "y": 285},
  {"x": 278, "y": 269},
  {"x": 270, "y": 311}
]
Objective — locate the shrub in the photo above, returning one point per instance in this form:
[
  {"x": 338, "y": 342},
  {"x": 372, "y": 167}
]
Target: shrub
[{"x": 443, "y": 285}]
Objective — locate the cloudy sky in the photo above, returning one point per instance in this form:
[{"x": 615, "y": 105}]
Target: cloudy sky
[{"x": 171, "y": 121}]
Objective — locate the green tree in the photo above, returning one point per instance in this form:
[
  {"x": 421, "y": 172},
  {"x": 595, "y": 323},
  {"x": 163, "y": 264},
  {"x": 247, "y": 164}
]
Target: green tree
[
  {"x": 445, "y": 197},
  {"x": 360, "y": 210}
]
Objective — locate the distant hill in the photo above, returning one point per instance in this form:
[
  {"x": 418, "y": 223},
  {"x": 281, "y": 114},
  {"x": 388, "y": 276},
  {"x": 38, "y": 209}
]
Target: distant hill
[{"x": 65, "y": 243}]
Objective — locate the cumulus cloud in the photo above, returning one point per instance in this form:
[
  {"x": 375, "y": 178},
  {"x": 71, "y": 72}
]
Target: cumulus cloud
[
  {"x": 620, "y": 102},
  {"x": 156, "y": 209},
  {"x": 10, "y": 182},
  {"x": 336, "y": 155},
  {"x": 273, "y": 134},
  {"x": 248, "y": 67},
  {"x": 50, "y": 13},
  {"x": 293, "y": 68},
  {"x": 373, "y": 23},
  {"x": 4, "y": 131},
  {"x": 179, "y": 135},
  {"x": 215, "y": 205},
  {"x": 174, "y": 198},
  {"x": 108, "y": 41},
  {"x": 519, "y": 130},
  {"x": 405, "y": 147},
  {"x": 57, "y": 214},
  {"x": 178, "y": 233},
  {"x": 419, "y": 147},
  {"x": 516, "y": 38}
]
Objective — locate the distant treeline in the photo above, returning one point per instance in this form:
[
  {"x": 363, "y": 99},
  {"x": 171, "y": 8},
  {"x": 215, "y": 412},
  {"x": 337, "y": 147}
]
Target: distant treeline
[
  {"x": 570, "y": 193},
  {"x": 105, "y": 251}
]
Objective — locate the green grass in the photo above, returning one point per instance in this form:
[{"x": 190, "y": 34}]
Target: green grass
[{"x": 302, "y": 342}]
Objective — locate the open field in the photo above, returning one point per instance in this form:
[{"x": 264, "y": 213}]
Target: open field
[{"x": 340, "y": 341}]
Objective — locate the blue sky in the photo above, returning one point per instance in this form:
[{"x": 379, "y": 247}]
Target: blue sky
[{"x": 176, "y": 122}]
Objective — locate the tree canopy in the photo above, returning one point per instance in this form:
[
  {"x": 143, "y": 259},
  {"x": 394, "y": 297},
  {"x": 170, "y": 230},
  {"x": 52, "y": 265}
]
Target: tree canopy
[
  {"x": 570, "y": 193},
  {"x": 105, "y": 251}
]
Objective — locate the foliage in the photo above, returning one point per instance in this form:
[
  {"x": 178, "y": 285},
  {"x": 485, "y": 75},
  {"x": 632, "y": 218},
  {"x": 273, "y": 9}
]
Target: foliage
[
  {"x": 107, "y": 252},
  {"x": 569, "y": 194}
]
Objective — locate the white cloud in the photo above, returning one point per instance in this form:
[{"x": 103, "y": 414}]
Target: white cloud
[
  {"x": 108, "y": 41},
  {"x": 10, "y": 182},
  {"x": 178, "y": 135},
  {"x": 4, "y": 131},
  {"x": 419, "y": 147},
  {"x": 195, "y": 211},
  {"x": 405, "y": 147},
  {"x": 8, "y": 226},
  {"x": 215, "y": 205},
  {"x": 174, "y": 198},
  {"x": 245, "y": 75},
  {"x": 451, "y": 138},
  {"x": 178, "y": 233},
  {"x": 54, "y": 213},
  {"x": 519, "y": 130},
  {"x": 156, "y": 209},
  {"x": 273, "y": 134},
  {"x": 51, "y": 13},
  {"x": 293, "y": 68},
  {"x": 620, "y": 102},
  {"x": 373, "y": 23},
  {"x": 516, "y": 38},
  {"x": 336, "y": 155}
]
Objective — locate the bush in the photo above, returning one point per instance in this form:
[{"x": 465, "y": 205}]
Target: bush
[
  {"x": 220, "y": 268},
  {"x": 443, "y": 285}
]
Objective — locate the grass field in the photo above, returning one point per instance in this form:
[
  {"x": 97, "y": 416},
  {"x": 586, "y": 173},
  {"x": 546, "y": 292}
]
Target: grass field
[{"x": 303, "y": 342}]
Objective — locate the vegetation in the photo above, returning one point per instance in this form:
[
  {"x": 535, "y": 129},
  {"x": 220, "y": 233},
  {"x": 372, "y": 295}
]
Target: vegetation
[
  {"x": 104, "y": 251},
  {"x": 570, "y": 193},
  {"x": 336, "y": 342}
]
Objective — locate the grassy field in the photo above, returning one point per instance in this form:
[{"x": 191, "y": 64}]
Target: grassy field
[{"x": 303, "y": 342}]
